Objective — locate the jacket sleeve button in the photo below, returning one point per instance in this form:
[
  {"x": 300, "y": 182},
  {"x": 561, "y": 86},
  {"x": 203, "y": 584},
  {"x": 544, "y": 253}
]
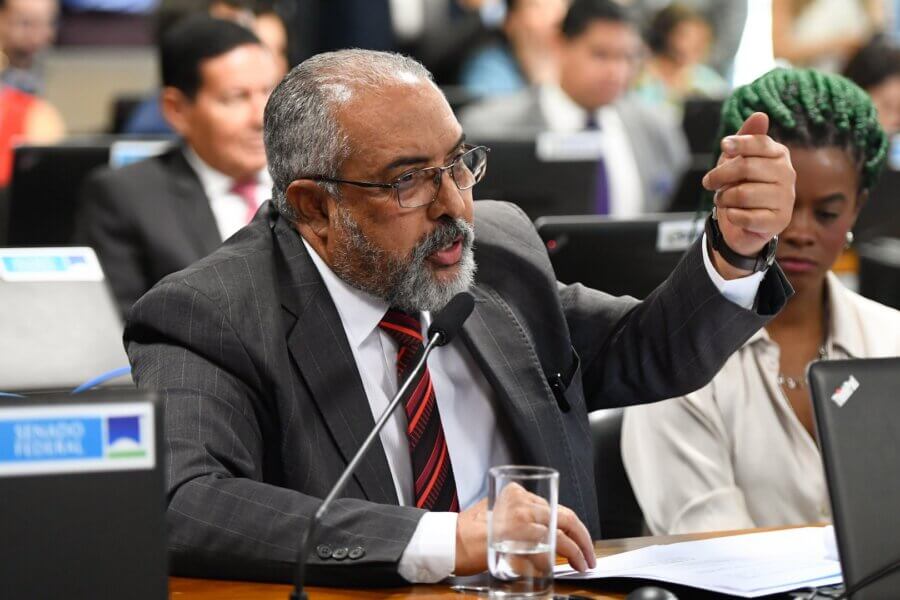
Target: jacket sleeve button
[
  {"x": 357, "y": 553},
  {"x": 324, "y": 551},
  {"x": 340, "y": 553}
]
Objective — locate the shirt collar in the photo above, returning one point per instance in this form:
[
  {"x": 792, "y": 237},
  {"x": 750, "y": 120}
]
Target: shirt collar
[
  {"x": 360, "y": 311},
  {"x": 844, "y": 333},
  {"x": 215, "y": 183},
  {"x": 563, "y": 114}
]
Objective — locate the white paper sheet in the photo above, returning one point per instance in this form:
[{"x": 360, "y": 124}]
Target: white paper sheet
[{"x": 748, "y": 566}]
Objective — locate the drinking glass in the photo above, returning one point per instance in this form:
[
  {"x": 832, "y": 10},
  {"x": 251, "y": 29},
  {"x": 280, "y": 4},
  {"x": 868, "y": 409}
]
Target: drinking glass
[{"x": 522, "y": 503}]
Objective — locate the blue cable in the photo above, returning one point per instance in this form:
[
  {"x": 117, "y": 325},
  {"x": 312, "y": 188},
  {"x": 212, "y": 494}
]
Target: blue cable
[{"x": 102, "y": 379}]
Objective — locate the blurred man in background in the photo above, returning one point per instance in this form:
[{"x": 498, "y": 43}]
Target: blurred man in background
[
  {"x": 160, "y": 215},
  {"x": 27, "y": 28},
  {"x": 644, "y": 154}
]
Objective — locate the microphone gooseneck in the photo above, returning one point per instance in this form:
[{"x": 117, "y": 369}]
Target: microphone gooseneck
[{"x": 446, "y": 324}]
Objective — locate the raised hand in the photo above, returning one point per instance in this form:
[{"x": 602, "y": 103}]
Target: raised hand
[{"x": 754, "y": 185}]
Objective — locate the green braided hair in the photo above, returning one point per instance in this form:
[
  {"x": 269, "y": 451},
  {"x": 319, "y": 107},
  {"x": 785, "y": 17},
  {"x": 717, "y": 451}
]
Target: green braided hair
[{"x": 811, "y": 109}]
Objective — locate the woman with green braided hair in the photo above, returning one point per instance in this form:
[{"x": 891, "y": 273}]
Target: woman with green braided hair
[{"x": 741, "y": 452}]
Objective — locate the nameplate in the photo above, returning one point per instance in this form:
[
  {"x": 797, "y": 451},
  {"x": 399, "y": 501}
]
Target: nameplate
[
  {"x": 124, "y": 153},
  {"x": 677, "y": 236},
  {"x": 551, "y": 146},
  {"x": 49, "y": 264},
  {"x": 76, "y": 438}
]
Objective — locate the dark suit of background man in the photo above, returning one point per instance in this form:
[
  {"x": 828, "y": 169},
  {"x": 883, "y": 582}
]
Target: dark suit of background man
[
  {"x": 274, "y": 352},
  {"x": 158, "y": 216},
  {"x": 599, "y": 52}
]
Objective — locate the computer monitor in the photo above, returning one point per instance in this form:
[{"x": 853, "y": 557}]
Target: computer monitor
[
  {"x": 700, "y": 123},
  {"x": 880, "y": 215},
  {"x": 60, "y": 326},
  {"x": 879, "y": 270},
  {"x": 618, "y": 256},
  {"x": 81, "y": 477},
  {"x": 540, "y": 187},
  {"x": 46, "y": 181},
  {"x": 44, "y": 190}
]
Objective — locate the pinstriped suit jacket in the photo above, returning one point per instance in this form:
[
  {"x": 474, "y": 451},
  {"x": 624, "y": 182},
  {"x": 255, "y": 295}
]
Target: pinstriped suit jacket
[{"x": 264, "y": 405}]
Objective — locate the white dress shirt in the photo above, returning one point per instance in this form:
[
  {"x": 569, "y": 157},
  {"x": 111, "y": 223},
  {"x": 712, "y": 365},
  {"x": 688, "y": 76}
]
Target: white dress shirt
[
  {"x": 229, "y": 209},
  {"x": 564, "y": 115},
  {"x": 733, "y": 454},
  {"x": 465, "y": 400}
]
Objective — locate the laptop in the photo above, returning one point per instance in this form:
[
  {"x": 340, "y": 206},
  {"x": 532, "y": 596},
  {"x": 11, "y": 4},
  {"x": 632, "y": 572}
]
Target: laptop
[
  {"x": 618, "y": 256},
  {"x": 81, "y": 477},
  {"x": 857, "y": 412},
  {"x": 59, "y": 326}
]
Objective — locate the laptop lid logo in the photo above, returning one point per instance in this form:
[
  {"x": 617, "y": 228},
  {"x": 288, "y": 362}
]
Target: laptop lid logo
[{"x": 846, "y": 389}]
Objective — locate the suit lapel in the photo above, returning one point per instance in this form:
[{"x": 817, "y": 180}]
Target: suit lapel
[
  {"x": 318, "y": 345},
  {"x": 508, "y": 360},
  {"x": 195, "y": 216}
]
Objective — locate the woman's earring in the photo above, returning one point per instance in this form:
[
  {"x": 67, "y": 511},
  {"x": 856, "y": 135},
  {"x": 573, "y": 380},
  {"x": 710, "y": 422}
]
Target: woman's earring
[{"x": 849, "y": 238}]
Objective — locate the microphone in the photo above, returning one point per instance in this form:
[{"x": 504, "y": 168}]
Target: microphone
[{"x": 446, "y": 324}]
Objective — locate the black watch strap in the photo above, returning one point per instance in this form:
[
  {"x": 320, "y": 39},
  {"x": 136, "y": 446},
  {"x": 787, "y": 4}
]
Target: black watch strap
[{"x": 754, "y": 264}]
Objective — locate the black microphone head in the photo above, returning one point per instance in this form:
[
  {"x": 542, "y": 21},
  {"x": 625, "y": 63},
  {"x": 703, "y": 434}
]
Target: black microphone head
[{"x": 449, "y": 319}]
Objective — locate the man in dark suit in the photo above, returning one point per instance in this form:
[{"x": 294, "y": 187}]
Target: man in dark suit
[
  {"x": 274, "y": 353},
  {"x": 160, "y": 215}
]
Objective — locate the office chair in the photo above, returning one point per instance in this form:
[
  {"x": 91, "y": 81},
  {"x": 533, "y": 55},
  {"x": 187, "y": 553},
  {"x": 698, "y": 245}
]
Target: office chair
[{"x": 620, "y": 515}]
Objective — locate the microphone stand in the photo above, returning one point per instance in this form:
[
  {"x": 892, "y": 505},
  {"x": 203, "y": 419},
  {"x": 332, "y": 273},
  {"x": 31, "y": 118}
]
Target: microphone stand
[{"x": 306, "y": 546}]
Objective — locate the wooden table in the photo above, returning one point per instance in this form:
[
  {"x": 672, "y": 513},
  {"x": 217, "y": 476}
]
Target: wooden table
[{"x": 181, "y": 588}]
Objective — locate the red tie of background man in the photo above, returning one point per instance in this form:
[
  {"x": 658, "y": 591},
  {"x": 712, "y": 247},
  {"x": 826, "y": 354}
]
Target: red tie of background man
[
  {"x": 435, "y": 488},
  {"x": 246, "y": 189}
]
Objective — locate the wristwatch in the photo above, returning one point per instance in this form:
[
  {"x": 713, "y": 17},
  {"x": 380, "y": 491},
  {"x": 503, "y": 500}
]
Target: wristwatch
[{"x": 754, "y": 264}]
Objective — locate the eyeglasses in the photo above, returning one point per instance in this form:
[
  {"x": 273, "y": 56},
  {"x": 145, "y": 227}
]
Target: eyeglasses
[{"x": 421, "y": 187}]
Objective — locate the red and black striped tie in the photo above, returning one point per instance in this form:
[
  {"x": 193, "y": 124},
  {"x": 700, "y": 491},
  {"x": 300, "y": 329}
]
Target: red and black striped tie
[{"x": 434, "y": 488}]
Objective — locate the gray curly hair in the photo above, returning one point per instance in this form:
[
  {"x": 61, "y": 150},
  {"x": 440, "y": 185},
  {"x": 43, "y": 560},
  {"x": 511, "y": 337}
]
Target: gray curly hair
[{"x": 301, "y": 130}]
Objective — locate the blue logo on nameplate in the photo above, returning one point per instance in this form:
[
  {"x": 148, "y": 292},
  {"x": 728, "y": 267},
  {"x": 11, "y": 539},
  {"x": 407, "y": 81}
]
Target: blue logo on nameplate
[{"x": 70, "y": 438}]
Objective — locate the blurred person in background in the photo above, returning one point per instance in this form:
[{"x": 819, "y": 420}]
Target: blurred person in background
[
  {"x": 823, "y": 34},
  {"x": 876, "y": 69},
  {"x": 24, "y": 118},
  {"x": 741, "y": 452},
  {"x": 160, "y": 215},
  {"x": 679, "y": 40},
  {"x": 523, "y": 51},
  {"x": 599, "y": 49},
  {"x": 726, "y": 18},
  {"x": 147, "y": 117},
  {"x": 27, "y": 28}
]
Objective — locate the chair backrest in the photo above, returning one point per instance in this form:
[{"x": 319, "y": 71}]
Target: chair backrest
[{"x": 620, "y": 514}]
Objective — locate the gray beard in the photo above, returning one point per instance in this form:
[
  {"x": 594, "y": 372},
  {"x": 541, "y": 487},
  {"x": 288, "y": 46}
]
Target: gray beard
[{"x": 407, "y": 284}]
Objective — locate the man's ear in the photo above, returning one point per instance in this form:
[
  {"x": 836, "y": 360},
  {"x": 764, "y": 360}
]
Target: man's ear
[
  {"x": 311, "y": 205},
  {"x": 176, "y": 109}
]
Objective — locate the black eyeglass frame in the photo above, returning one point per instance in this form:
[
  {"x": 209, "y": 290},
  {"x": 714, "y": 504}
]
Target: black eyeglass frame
[{"x": 395, "y": 185}]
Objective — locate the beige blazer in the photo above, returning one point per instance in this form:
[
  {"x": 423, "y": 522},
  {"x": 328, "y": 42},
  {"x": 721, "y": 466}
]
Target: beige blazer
[{"x": 733, "y": 454}]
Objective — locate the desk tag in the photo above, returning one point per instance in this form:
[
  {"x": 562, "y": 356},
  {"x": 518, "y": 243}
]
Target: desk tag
[
  {"x": 76, "y": 438},
  {"x": 126, "y": 152},
  {"x": 49, "y": 264},
  {"x": 676, "y": 236},
  {"x": 843, "y": 393},
  {"x": 552, "y": 146}
]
